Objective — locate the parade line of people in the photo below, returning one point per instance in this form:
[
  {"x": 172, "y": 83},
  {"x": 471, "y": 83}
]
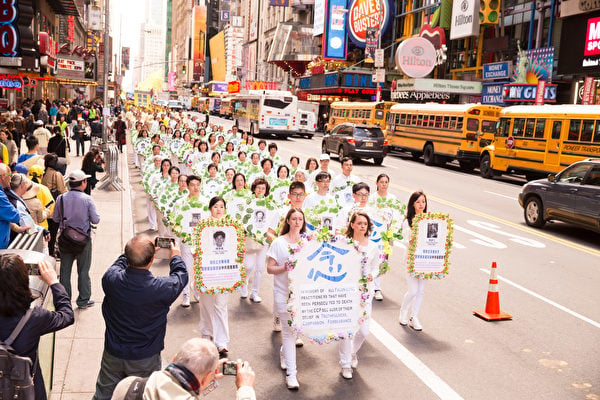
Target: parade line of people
[{"x": 194, "y": 168}]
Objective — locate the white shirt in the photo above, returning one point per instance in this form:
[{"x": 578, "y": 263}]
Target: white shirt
[
  {"x": 279, "y": 251},
  {"x": 342, "y": 180},
  {"x": 314, "y": 199}
]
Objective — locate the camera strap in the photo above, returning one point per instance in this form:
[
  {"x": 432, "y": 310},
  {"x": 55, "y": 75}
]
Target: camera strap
[{"x": 185, "y": 377}]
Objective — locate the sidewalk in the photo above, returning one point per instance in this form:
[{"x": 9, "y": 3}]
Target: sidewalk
[{"x": 78, "y": 349}]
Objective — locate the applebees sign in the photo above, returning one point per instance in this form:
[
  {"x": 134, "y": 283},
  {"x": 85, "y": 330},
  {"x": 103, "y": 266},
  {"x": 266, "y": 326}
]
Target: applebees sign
[{"x": 365, "y": 14}]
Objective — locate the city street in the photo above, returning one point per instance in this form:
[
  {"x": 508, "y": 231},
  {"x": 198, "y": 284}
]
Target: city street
[{"x": 548, "y": 282}]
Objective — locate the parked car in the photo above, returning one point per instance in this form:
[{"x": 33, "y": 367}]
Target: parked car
[
  {"x": 572, "y": 196},
  {"x": 356, "y": 141}
]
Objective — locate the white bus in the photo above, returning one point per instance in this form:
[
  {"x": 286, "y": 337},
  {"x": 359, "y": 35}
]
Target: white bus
[
  {"x": 308, "y": 115},
  {"x": 268, "y": 112}
]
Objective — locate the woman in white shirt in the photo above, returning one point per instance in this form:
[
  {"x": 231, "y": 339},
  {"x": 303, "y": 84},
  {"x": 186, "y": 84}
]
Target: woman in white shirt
[
  {"x": 358, "y": 230},
  {"x": 417, "y": 204},
  {"x": 383, "y": 183},
  {"x": 291, "y": 233}
]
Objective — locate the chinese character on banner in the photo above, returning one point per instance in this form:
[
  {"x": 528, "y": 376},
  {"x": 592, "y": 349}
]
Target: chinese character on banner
[{"x": 370, "y": 44}]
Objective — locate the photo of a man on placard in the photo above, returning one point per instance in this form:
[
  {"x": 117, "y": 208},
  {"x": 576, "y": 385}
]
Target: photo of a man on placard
[
  {"x": 432, "y": 230},
  {"x": 196, "y": 217},
  {"x": 219, "y": 242},
  {"x": 259, "y": 217}
]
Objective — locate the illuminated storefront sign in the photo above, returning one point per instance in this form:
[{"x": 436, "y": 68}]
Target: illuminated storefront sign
[
  {"x": 18, "y": 82},
  {"x": 9, "y": 31},
  {"x": 233, "y": 87},
  {"x": 499, "y": 70},
  {"x": 465, "y": 19},
  {"x": 335, "y": 39},
  {"x": 416, "y": 57},
  {"x": 592, "y": 37},
  {"x": 493, "y": 93},
  {"x": 364, "y": 14},
  {"x": 580, "y": 45},
  {"x": 527, "y": 93},
  {"x": 260, "y": 85}
]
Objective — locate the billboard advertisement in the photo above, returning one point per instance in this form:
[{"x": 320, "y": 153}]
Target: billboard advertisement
[
  {"x": 199, "y": 29},
  {"x": 366, "y": 14},
  {"x": 465, "y": 19},
  {"x": 335, "y": 39},
  {"x": 218, "y": 62},
  {"x": 580, "y": 45}
]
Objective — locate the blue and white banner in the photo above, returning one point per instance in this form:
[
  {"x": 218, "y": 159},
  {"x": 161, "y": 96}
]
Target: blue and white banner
[
  {"x": 335, "y": 38},
  {"x": 493, "y": 93},
  {"x": 497, "y": 71}
]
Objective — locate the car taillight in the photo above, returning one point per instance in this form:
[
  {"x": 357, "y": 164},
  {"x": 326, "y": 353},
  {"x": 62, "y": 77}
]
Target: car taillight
[
  {"x": 351, "y": 140},
  {"x": 315, "y": 126},
  {"x": 262, "y": 118},
  {"x": 385, "y": 142}
]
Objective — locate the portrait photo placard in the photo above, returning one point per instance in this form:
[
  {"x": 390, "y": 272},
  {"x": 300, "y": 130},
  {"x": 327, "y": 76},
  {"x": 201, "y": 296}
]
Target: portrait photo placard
[{"x": 430, "y": 245}]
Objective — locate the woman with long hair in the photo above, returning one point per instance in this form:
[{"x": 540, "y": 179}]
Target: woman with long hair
[
  {"x": 413, "y": 298},
  {"x": 92, "y": 162},
  {"x": 294, "y": 226},
  {"x": 358, "y": 231},
  {"x": 15, "y": 303}
]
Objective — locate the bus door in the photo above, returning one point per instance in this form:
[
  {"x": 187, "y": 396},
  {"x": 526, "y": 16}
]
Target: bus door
[{"x": 553, "y": 144}]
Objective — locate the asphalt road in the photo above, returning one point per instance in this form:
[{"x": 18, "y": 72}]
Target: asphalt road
[{"x": 549, "y": 282}]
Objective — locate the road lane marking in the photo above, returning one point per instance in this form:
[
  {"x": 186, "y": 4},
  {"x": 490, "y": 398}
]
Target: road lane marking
[
  {"x": 482, "y": 214},
  {"x": 422, "y": 371},
  {"x": 501, "y": 195},
  {"x": 545, "y": 299}
]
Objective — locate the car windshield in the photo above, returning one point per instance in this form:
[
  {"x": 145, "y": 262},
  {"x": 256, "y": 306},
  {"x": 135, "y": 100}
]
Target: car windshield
[{"x": 367, "y": 133}]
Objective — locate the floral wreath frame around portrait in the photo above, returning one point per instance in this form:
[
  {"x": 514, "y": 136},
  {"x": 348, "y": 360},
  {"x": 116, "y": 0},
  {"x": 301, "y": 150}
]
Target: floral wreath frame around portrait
[
  {"x": 412, "y": 246},
  {"x": 197, "y": 246}
]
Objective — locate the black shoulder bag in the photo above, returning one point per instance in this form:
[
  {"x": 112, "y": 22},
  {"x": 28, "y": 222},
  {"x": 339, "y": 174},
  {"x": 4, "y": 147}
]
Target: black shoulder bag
[{"x": 71, "y": 240}]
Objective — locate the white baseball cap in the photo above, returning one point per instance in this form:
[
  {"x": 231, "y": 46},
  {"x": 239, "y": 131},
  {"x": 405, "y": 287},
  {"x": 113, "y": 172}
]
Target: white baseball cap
[{"x": 324, "y": 156}]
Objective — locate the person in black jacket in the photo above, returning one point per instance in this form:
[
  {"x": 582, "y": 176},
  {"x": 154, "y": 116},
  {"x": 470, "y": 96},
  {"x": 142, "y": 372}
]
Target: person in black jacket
[
  {"x": 16, "y": 300},
  {"x": 92, "y": 163},
  {"x": 57, "y": 143},
  {"x": 135, "y": 308}
]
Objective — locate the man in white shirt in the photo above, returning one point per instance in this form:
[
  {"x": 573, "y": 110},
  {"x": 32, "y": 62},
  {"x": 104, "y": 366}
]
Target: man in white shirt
[
  {"x": 324, "y": 160},
  {"x": 342, "y": 183},
  {"x": 322, "y": 181},
  {"x": 43, "y": 135}
]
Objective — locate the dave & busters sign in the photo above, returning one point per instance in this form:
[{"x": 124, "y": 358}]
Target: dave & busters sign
[{"x": 365, "y": 14}]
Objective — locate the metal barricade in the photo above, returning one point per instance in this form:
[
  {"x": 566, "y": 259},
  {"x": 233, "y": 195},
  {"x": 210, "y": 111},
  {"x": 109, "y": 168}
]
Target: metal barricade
[
  {"x": 26, "y": 241},
  {"x": 111, "y": 178}
]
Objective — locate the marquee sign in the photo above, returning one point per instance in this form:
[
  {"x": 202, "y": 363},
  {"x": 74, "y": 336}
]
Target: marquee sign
[
  {"x": 18, "y": 82},
  {"x": 9, "y": 30},
  {"x": 365, "y": 14}
]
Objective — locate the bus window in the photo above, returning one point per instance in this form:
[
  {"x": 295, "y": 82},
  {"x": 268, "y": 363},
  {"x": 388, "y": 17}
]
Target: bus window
[
  {"x": 452, "y": 124},
  {"x": 278, "y": 103},
  {"x": 597, "y": 134},
  {"x": 539, "y": 128},
  {"x": 420, "y": 120},
  {"x": 378, "y": 114},
  {"x": 446, "y": 123},
  {"x": 504, "y": 127},
  {"x": 459, "y": 123},
  {"x": 472, "y": 124},
  {"x": 425, "y": 120},
  {"x": 438, "y": 121},
  {"x": 413, "y": 119},
  {"x": 431, "y": 121},
  {"x": 574, "y": 129},
  {"x": 488, "y": 126},
  {"x": 586, "y": 130},
  {"x": 518, "y": 127},
  {"x": 402, "y": 119},
  {"x": 556, "y": 128},
  {"x": 529, "y": 125}
]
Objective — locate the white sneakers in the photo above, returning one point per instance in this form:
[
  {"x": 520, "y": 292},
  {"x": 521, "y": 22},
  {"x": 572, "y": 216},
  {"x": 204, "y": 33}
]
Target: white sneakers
[
  {"x": 347, "y": 373},
  {"x": 415, "y": 324},
  {"x": 244, "y": 292},
  {"x": 254, "y": 297},
  {"x": 185, "y": 302},
  {"x": 282, "y": 363},
  {"x": 403, "y": 319},
  {"x": 276, "y": 324},
  {"x": 292, "y": 382},
  {"x": 299, "y": 342},
  {"x": 378, "y": 295}
]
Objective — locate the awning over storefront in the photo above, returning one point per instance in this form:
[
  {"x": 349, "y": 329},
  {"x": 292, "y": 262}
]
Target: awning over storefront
[
  {"x": 64, "y": 7},
  {"x": 293, "y": 47}
]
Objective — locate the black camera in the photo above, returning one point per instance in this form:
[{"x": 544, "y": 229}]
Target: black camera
[
  {"x": 163, "y": 243},
  {"x": 230, "y": 368},
  {"x": 33, "y": 269}
]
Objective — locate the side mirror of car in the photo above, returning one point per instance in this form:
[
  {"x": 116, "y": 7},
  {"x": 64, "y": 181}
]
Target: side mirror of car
[{"x": 551, "y": 177}]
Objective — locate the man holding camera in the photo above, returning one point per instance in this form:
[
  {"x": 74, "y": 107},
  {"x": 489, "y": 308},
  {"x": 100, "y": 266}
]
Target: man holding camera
[
  {"x": 192, "y": 374},
  {"x": 135, "y": 310}
]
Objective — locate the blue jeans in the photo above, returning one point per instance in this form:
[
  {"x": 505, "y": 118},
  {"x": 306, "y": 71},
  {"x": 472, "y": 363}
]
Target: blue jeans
[{"x": 84, "y": 283}]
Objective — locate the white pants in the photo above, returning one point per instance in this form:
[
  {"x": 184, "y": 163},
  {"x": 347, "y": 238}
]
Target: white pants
[
  {"x": 348, "y": 347},
  {"x": 214, "y": 319},
  {"x": 188, "y": 259},
  {"x": 377, "y": 283},
  {"x": 288, "y": 338},
  {"x": 414, "y": 295},
  {"x": 255, "y": 266},
  {"x": 151, "y": 213},
  {"x": 162, "y": 229}
]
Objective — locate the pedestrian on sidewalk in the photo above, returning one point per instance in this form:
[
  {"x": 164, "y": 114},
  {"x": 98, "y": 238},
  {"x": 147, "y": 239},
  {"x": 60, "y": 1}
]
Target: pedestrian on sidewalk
[
  {"x": 193, "y": 373},
  {"x": 135, "y": 308},
  {"x": 15, "y": 303},
  {"x": 76, "y": 209},
  {"x": 119, "y": 128}
]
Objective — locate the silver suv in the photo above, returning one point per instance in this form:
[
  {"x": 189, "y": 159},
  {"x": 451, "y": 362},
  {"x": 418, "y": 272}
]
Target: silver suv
[{"x": 572, "y": 195}]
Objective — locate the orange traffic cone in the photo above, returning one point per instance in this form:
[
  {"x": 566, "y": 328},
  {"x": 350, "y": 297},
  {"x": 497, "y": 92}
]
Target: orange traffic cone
[{"x": 492, "y": 305}]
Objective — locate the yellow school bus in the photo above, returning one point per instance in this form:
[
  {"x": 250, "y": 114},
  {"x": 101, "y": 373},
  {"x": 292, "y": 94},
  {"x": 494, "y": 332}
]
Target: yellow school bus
[
  {"x": 538, "y": 140},
  {"x": 358, "y": 112},
  {"x": 443, "y": 132}
]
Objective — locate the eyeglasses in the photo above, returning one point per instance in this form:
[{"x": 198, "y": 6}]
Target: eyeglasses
[
  {"x": 361, "y": 195},
  {"x": 297, "y": 195}
]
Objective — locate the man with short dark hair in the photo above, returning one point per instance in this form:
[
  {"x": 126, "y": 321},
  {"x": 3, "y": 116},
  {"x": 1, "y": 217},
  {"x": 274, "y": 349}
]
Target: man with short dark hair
[
  {"x": 77, "y": 210},
  {"x": 135, "y": 309}
]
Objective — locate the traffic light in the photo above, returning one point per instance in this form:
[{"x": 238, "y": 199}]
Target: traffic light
[
  {"x": 489, "y": 11},
  {"x": 183, "y": 69}
]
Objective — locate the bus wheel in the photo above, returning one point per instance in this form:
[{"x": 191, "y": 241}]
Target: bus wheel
[
  {"x": 484, "y": 167},
  {"x": 534, "y": 212},
  {"x": 324, "y": 148},
  {"x": 428, "y": 154},
  {"x": 341, "y": 153}
]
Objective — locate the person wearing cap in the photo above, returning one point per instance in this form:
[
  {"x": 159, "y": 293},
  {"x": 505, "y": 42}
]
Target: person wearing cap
[
  {"x": 42, "y": 135},
  {"x": 77, "y": 209},
  {"x": 324, "y": 159},
  {"x": 78, "y": 134}
]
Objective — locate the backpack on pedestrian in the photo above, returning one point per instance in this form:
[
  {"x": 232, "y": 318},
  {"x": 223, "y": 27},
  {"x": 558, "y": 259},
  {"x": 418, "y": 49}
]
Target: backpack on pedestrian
[{"x": 16, "y": 378}]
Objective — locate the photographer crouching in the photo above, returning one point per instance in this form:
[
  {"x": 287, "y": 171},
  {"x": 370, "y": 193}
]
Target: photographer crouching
[{"x": 192, "y": 374}]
